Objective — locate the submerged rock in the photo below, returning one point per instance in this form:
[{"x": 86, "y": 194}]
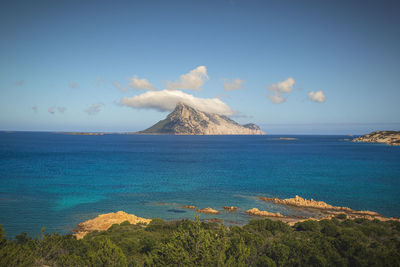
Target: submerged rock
[
  {"x": 208, "y": 210},
  {"x": 231, "y": 208},
  {"x": 257, "y": 212},
  {"x": 189, "y": 207},
  {"x": 105, "y": 221}
]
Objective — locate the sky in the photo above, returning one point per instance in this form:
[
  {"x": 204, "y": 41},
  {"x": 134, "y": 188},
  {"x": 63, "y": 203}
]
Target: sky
[{"x": 292, "y": 67}]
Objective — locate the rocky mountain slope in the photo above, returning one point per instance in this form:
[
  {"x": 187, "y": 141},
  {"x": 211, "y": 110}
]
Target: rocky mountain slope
[
  {"x": 386, "y": 137},
  {"x": 185, "y": 120}
]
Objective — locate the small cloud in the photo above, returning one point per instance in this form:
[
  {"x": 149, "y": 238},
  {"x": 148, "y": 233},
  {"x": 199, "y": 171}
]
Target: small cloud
[
  {"x": 20, "y": 83},
  {"x": 234, "y": 84},
  {"x": 61, "y": 109},
  {"x": 52, "y": 110},
  {"x": 141, "y": 84},
  {"x": 100, "y": 81},
  {"x": 318, "y": 96},
  {"x": 280, "y": 88},
  {"x": 192, "y": 80},
  {"x": 277, "y": 98},
  {"x": 74, "y": 85},
  {"x": 119, "y": 86},
  {"x": 35, "y": 109},
  {"x": 166, "y": 100},
  {"x": 94, "y": 108}
]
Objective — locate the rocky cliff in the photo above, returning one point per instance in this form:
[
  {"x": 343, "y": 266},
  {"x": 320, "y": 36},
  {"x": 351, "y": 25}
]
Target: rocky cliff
[
  {"x": 386, "y": 137},
  {"x": 185, "y": 120}
]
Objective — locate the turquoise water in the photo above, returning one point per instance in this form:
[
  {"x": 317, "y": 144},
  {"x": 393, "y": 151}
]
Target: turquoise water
[{"x": 57, "y": 180}]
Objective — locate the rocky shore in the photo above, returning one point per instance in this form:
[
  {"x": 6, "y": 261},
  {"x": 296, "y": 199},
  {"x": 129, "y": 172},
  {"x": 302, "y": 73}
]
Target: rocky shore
[
  {"x": 325, "y": 211},
  {"x": 326, "y": 208},
  {"x": 105, "y": 221},
  {"x": 385, "y": 137}
]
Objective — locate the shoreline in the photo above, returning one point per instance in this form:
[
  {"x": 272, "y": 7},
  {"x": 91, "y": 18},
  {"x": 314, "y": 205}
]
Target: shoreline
[{"x": 104, "y": 221}]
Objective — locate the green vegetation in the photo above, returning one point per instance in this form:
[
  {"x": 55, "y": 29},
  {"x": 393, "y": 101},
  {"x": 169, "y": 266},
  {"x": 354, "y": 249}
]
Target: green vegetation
[{"x": 336, "y": 242}]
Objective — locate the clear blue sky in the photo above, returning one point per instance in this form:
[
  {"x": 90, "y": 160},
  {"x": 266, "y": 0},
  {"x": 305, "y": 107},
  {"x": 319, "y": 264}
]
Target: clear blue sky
[{"x": 53, "y": 53}]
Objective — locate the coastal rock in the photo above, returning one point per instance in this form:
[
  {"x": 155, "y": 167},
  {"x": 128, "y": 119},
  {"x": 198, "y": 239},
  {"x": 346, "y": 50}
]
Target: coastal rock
[
  {"x": 257, "y": 212},
  {"x": 105, "y": 221},
  {"x": 186, "y": 120},
  {"x": 305, "y": 203},
  {"x": 230, "y": 208},
  {"x": 385, "y": 137},
  {"x": 189, "y": 207},
  {"x": 208, "y": 210}
]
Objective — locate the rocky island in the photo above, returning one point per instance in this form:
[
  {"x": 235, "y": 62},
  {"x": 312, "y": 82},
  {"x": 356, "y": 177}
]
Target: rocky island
[
  {"x": 385, "y": 137},
  {"x": 186, "y": 120}
]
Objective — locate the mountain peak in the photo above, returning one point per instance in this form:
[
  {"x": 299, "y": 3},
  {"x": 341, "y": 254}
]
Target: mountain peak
[{"x": 185, "y": 119}]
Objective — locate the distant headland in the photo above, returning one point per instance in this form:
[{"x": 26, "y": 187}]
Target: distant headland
[{"x": 385, "y": 137}]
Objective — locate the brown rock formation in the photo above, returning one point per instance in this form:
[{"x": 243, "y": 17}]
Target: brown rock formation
[
  {"x": 191, "y": 121},
  {"x": 263, "y": 213},
  {"x": 305, "y": 203},
  {"x": 189, "y": 207},
  {"x": 105, "y": 221},
  {"x": 385, "y": 137},
  {"x": 231, "y": 208},
  {"x": 208, "y": 210}
]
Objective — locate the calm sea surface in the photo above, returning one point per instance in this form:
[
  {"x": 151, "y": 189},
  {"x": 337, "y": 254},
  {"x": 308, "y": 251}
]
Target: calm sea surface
[{"x": 57, "y": 180}]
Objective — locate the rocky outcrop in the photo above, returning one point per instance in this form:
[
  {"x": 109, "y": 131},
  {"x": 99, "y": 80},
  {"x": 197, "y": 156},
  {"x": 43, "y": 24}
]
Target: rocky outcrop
[
  {"x": 105, "y": 221},
  {"x": 304, "y": 203},
  {"x": 185, "y": 120},
  {"x": 257, "y": 212},
  {"x": 311, "y": 203},
  {"x": 208, "y": 210},
  {"x": 189, "y": 207},
  {"x": 385, "y": 137},
  {"x": 230, "y": 208}
]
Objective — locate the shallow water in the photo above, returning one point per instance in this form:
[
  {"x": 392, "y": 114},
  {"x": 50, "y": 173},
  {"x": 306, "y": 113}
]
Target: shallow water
[{"x": 57, "y": 180}]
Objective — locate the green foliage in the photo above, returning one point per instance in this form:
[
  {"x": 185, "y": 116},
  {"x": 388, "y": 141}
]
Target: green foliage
[{"x": 336, "y": 242}]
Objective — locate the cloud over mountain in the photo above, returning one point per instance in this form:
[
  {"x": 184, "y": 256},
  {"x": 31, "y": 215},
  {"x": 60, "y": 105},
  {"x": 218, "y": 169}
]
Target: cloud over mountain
[
  {"x": 141, "y": 84},
  {"x": 166, "y": 100},
  {"x": 193, "y": 80}
]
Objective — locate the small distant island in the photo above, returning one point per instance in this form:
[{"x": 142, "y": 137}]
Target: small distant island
[
  {"x": 385, "y": 137},
  {"x": 186, "y": 120}
]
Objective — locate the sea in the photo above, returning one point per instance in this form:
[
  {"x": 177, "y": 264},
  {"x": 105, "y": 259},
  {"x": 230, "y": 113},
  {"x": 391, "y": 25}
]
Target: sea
[{"x": 56, "y": 180}]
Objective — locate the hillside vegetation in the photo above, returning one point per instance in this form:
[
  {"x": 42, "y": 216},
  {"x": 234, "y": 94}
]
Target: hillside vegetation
[{"x": 336, "y": 242}]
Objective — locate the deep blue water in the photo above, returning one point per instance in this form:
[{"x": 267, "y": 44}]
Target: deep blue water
[{"x": 57, "y": 180}]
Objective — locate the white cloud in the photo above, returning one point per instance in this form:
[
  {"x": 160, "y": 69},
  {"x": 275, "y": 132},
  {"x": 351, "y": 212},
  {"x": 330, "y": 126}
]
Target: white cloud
[
  {"x": 277, "y": 98},
  {"x": 279, "y": 88},
  {"x": 234, "y": 84},
  {"x": 318, "y": 96},
  {"x": 119, "y": 86},
  {"x": 166, "y": 100},
  {"x": 52, "y": 110},
  {"x": 135, "y": 82},
  {"x": 94, "y": 108},
  {"x": 74, "y": 85},
  {"x": 192, "y": 80}
]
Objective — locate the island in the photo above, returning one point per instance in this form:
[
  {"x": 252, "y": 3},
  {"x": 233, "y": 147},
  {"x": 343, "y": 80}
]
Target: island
[
  {"x": 385, "y": 137},
  {"x": 186, "y": 120}
]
